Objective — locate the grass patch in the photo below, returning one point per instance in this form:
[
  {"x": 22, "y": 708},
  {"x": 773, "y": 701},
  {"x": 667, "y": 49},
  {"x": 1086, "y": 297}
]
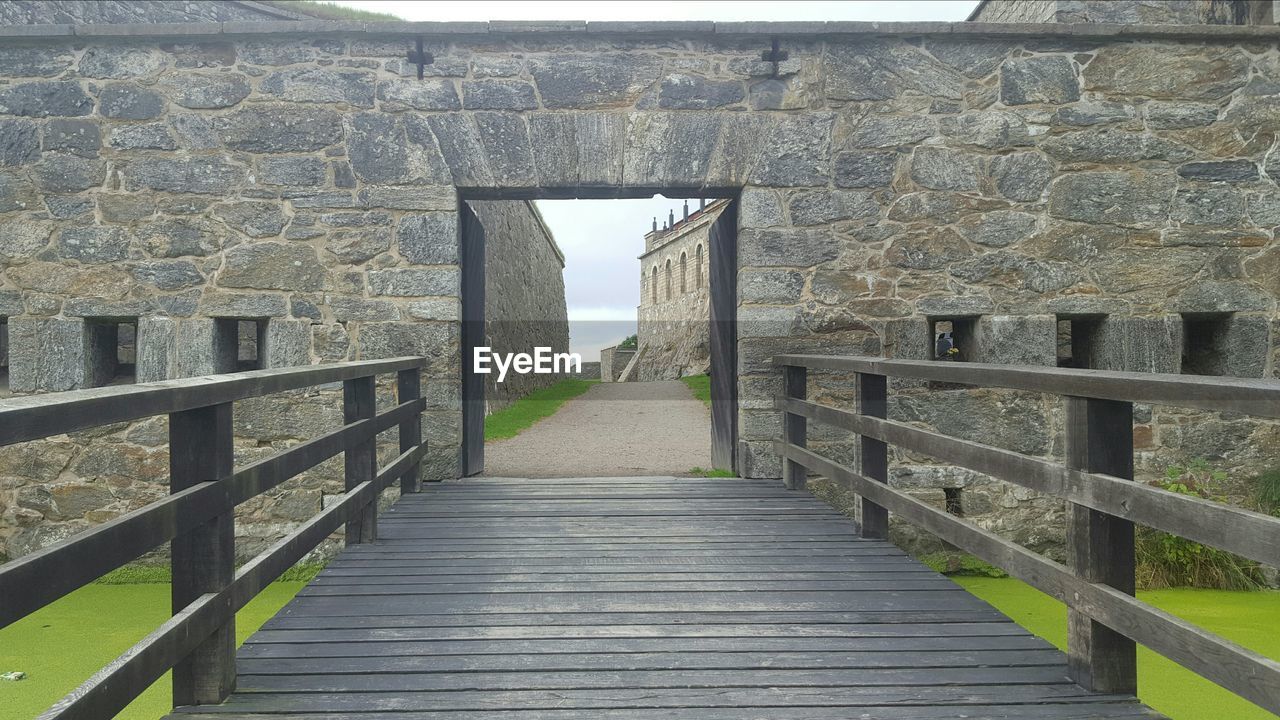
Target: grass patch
[
  {"x": 61, "y": 645},
  {"x": 329, "y": 11},
  {"x": 511, "y": 420},
  {"x": 711, "y": 472},
  {"x": 700, "y": 385},
  {"x": 1248, "y": 618}
]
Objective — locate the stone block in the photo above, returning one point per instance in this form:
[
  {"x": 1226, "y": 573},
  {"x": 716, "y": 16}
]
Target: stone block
[
  {"x": 45, "y": 98},
  {"x": 1047, "y": 79},
  {"x": 795, "y": 247},
  {"x": 760, "y": 208},
  {"x": 1138, "y": 344},
  {"x": 1121, "y": 198},
  {"x": 796, "y": 152},
  {"x": 940, "y": 168},
  {"x": 508, "y": 153},
  {"x": 490, "y": 94},
  {"x": 157, "y": 347},
  {"x": 1017, "y": 340},
  {"x": 270, "y": 128},
  {"x": 321, "y": 85},
  {"x": 288, "y": 343},
  {"x": 46, "y": 354},
  {"x": 272, "y": 266},
  {"x": 582, "y": 81},
  {"x": 406, "y": 282},
  {"x": 429, "y": 238},
  {"x": 908, "y": 339},
  {"x": 865, "y": 169},
  {"x": 601, "y": 138},
  {"x": 425, "y": 94},
  {"x": 126, "y": 101},
  {"x": 203, "y": 91}
]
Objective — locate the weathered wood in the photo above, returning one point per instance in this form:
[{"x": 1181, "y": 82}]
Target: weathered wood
[
  {"x": 409, "y": 388},
  {"x": 873, "y": 401},
  {"x": 794, "y": 427},
  {"x": 36, "y": 416},
  {"x": 359, "y": 402},
  {"x": 1260, "y": 398},
  {"x": 1243, "y": 532},
  {"x": 203, "y": 555},
  {"x": 1099, "y": 438},
  {"x": 35, "y": 580},
  {"x": 1238, "y": 669}
]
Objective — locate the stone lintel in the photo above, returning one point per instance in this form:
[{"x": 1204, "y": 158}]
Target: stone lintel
[{"x": 383, "y": 30}]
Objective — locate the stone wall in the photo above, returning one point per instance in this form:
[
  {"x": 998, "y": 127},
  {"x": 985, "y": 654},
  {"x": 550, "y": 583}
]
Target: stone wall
[
  {"x": 613, "y": 361},
  {"x": 996, "y": 178},
  {"x": 81, "y": 12},
  {"x": 524, "y": 293},
  {"x": 1128, "y": 12}
]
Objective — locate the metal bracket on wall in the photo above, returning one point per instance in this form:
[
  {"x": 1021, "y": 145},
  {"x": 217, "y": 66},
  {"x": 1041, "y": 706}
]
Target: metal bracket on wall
[
  {"x": 420, "y": 57},
  {"x": 775, "y": 54}
]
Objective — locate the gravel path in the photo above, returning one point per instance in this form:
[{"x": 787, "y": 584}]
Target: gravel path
[{"x": 613, "y": 429}]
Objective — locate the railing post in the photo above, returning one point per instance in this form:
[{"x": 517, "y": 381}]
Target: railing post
[
  {"x": 1099, "y": 438},
  {"x": 873, "y": 400},
  {"x": 359, "y": 402},
  {"x": 409, "y": 387},
  {"x": 203, "y": 557},
  {"x": 795, "y": 428}
]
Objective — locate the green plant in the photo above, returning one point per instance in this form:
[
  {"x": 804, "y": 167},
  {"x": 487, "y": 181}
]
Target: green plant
[
  {"x": 629, "y": 343},
  {"x": 1268, "y": 491},
  {"x": 711, "y": 472},
  {"x": 1166, "y": 560}
]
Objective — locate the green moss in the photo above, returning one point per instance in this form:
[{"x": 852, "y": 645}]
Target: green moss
[
  {"x": 711, "y": 473},
  {"x": 700, "y": 385},
  {"x": 1248, "y": 618},
  {"x": 520, "y": 415},
  {"x": 159, "y": 574},
  {"x": 60, "y": 646},
  {"x": 1268, "y": 491},
  {"x": 961, "y": 564}
]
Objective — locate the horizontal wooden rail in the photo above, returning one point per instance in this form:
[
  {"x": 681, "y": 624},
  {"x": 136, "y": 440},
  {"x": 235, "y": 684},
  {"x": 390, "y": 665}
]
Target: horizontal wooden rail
[
  {"x": 33, "y": 417},
  {"x": 1236, "y": 668},
  {"x": 197, "y": 643},
  {"x": 112, "y": 688},
  {"x": 1260, "y": 398},
  {"x": 1104, "y": 617},
  {"x": 37, "y": 579},
  {"x": 1243, "y": 532}
]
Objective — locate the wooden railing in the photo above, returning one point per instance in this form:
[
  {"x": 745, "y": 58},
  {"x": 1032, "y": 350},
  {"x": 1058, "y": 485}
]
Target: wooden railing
[
  {"x": 197, "y": 518},
  {"x": 1097, "y": 584}
]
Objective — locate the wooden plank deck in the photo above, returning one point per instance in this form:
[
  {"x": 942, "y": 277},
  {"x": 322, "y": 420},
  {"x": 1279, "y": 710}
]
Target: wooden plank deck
[{"x": 640, "y": 598}]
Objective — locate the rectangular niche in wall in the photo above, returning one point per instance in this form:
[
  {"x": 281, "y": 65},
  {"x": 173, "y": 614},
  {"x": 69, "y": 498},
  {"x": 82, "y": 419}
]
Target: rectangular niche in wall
[
  {"x": 111, "y": 350},
  {"x": 1078, "y": 336},
  {"x": 954, "y": 338},
  {"x": 240, "y": 344},
  {"x": 1204, "y": 340},
  {"x": 954, "y": 503}
]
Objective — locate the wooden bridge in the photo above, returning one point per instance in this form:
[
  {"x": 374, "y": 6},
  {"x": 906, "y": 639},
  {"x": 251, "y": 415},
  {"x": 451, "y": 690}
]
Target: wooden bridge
[{"x": 643, "y": 598}]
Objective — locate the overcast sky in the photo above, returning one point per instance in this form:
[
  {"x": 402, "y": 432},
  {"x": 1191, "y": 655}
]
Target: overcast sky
[{"x": 602, "y": 238}]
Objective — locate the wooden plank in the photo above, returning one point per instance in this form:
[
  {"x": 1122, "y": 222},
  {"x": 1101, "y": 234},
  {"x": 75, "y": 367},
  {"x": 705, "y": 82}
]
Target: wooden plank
[
  {"x": 620, "y": 662},
  {"x": 1243, "y": 532},
  {"x": 762, "y": 677},
  {"x": 36, "y": 416},
  {"x": 203, "y": 556},
  {"x": 360, "y": 402},
  {"x": 794, "y": 430},
  {"x": 409, "y": 388},
  {"x": 1240, "y": 670},
  {"x": 1257, "y": 397},
  {"x": 1044, "y": 711},
  {"x": 1099, "y": 438}
]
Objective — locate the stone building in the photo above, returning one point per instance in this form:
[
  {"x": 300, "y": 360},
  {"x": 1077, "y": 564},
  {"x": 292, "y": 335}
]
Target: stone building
[
  {"x": 1056, "y": 193},
  {"x": 674, "y": 313}
]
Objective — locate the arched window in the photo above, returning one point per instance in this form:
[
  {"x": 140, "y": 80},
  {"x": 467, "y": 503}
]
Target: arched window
[
  {"x": 684, "y": 273},
  {"x": 668, "y": 273},
  {"x": 653, "y": 282},
  {"x": 697, "y": 268}
]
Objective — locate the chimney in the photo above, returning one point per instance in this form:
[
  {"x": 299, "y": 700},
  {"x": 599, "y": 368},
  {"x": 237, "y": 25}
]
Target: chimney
[
  {"x": 671, "y": 218},
  {"x": 655, "y": 223},
  {"x": 702, "y": 203},
  {"x": 686, "y": 209}
]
